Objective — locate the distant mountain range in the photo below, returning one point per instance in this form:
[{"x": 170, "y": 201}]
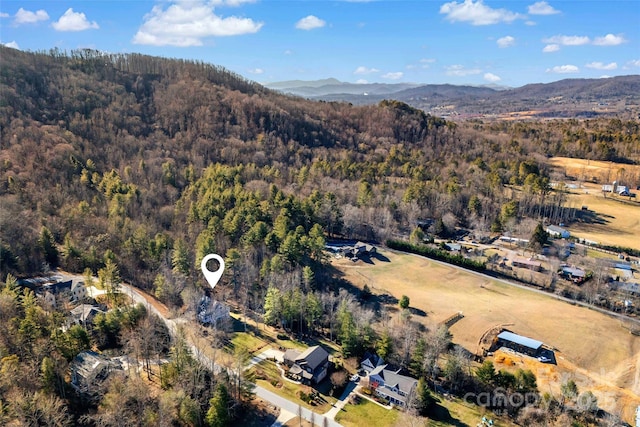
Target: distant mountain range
[{"x": 569, "y": 97}]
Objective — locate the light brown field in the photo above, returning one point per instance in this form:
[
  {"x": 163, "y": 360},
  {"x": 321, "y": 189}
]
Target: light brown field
[
  {"x": 590, "y": 342},
  {"x": 622, "y": 226},
  {"x": 596, "y": 170}
]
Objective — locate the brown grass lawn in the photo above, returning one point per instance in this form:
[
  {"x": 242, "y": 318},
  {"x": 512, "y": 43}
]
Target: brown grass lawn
[
  {"x": 622, "y": 217},
  {"x": 591, "y": 341},
  {"x": 603, "y": 172}
]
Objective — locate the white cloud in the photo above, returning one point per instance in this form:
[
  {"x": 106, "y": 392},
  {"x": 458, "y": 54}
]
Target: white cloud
[
  {"x": 476, "y": 13},
  {"x": 635, "y": 63},
  {"x": 28, "y": 17},
  {"x": 256, "y": 71},
  {"x": 461, "y": 71},
  {"x": 602, "y": 66},
  {"x": 364, "y": 70},
  {"x": 74, "y": 21},
  {"x": 609, "y": 40},
  {"x": 393, "y": 76},
  {"x": 542, "y": 8},
  {"x": 310, "y": 22},
  {"x": 4, "y": 15},
  {"x": 506, "y": 41},
  {"x": 490, "y": 77},
  {"x": 12, "y": 45},
  {"x": 426, "y": 62},
  {"x": 530, "y": 23},
  {"x": 361, "y": 82},
  {"x": 551, "y": 48},
  {"x": 288, "y": 52},
  {"x": 186, "y": 24},
  {"x": 563, "y": 69},
  {"x": 568, "y": 40},
  {"x": 232, "y": 3}
]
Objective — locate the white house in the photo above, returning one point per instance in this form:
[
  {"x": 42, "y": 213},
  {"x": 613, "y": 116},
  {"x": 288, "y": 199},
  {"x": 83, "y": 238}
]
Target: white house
[
  {"x": 555, "y": 231},
  {"x": 210, "y": 312},
  {"x": 78, "y": 291},
  {"x": 391, "y": 385}
]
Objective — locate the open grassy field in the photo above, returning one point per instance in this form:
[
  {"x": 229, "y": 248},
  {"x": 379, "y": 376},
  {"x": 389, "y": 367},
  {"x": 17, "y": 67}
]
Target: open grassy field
[
  {"x": 367, "y": 413},
  {"x": 586, "y": 339},
  {"x": 598, "y": 171},
  {"x": 445, "y": 413},
  {"x": 621, "y": 218}
]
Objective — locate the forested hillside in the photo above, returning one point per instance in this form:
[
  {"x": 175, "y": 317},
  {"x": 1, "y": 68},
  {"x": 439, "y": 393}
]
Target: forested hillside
[
  {"x": 142, "y": 156},
  {"x": 134, "y": 167}
]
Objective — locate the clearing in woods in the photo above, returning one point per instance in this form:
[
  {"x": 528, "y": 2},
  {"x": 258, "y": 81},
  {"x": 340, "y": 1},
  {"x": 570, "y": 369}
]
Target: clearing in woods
[
  {"x": 619, "y": 217},
  {"x": 589, "y": 342}
]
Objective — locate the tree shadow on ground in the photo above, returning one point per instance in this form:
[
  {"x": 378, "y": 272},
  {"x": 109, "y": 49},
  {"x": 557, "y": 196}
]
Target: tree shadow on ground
[
  {"x": 442, "y": 414},
  {"x": 591, "y": 217},
  {"x": 417, "y": 312},
  {"x": 379, "y": 257}
]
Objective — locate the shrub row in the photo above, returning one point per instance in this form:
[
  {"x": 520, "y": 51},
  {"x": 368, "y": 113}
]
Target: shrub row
[{"x": 438, "y": 254}]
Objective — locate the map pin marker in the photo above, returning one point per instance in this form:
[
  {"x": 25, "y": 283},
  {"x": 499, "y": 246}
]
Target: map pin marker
[{"x": 212, "y": 276}]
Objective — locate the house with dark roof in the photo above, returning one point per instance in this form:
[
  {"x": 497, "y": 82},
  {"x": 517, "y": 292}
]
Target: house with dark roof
[
  {"x": 51, "y": 291},
  {"x": 391, "y": 385},
  {"x": 371, "y": 361},
  {"x": 310, "y": 366},
  {"x": 575, "y": 274}
]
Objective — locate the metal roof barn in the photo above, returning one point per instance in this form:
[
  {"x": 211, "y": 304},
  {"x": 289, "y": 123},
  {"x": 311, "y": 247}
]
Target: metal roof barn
[{"x": 520, "y": 340}]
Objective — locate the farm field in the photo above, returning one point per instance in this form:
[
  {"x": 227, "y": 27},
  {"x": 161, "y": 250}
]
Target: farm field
[
  {"x": 621, "y": 218},
  {"x": 621, "y": 225},
  {"x": 596, "y": 170},
  {"x": 593, "y": 343}
]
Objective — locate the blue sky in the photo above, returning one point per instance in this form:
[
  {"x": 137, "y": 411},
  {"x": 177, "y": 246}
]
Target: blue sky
[{"x": 509, "y": 43}]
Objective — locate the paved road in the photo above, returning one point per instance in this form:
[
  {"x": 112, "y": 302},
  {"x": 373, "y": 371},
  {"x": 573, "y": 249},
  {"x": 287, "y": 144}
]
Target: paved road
[
  {"x": 264, "y": 394},
  {"x": 294, "y": 408}
]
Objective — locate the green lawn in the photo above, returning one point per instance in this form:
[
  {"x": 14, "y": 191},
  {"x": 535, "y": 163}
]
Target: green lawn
[
  {"x": 268, "y": 374},
  {"x": 592, "y": 253},
  {"x": 446, "y": 413},
  {"x": 259, "y": 336},
  {"x": 246, "y": 341},
  {"x": 367, "y": 413}
]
